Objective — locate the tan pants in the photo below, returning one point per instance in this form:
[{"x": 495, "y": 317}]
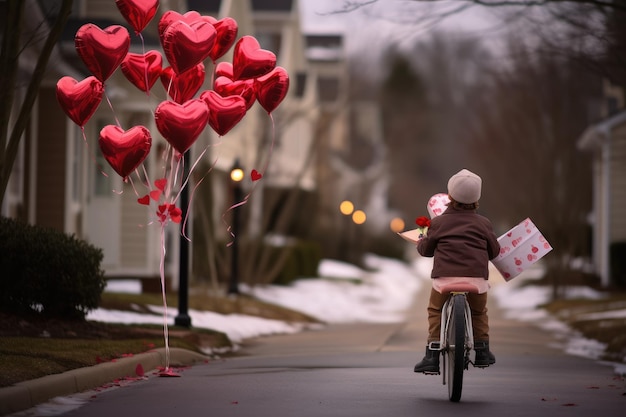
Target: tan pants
[{"x": 478, "y": 305}]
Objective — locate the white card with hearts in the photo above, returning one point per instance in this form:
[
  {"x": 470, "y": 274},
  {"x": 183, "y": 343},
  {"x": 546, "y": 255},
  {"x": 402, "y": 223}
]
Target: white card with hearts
[
  {"x": 437, "y": 204},
  {"x": 520, "y": 247}
]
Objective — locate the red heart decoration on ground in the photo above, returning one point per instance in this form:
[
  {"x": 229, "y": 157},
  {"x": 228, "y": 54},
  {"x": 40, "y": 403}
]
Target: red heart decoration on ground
[
  {"x": 224, "y": 112},
  {"x": 79, "y": 100},
  {"x": 184, "y": 86},
  {"x": 142, "y": 70},
  {"x": 181, "y": 124},
  {"x": 250, "y": 61},
  {"x": 226, "y": 34},
  {"x": 244, "y": 88},
  {"x": 255, "y": 175},
  {"x": 272, "y": 88},
  {"x": 138, "y": 13},
  {"x": 186, "y": 46},
  {"x": 125, "y": 150},
  {"x": 102, "y": 51}
]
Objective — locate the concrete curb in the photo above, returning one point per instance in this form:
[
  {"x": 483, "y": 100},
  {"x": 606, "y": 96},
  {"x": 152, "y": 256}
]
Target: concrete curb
[{"x": 27, "y": 394}]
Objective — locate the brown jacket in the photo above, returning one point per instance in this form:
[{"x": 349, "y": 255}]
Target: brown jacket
[{"x": 462, "y": 242}]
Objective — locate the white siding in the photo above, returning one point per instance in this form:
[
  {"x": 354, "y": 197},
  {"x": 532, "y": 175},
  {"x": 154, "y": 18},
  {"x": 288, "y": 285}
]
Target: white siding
[{"x": 618, "y": 185}]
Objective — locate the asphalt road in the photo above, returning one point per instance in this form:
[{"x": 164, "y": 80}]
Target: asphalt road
[{"x": 367, "y": 370}]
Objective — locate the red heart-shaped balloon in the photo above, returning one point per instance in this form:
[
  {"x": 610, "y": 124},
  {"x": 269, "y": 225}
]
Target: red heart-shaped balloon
[
  {"x": 125, "y": 150},
  {"x": 226, "y": 34},
  {"x": 244, "y": 88},
  {"x": 272, "y": 88},
  {"x": 186, "y": 46},
  {"x": 181, "y": 124},
  {"x": 184, "y": 86},
  {"x": 250, "y": 61},
  {"x": 102, "y": 51},
  {"x": 190, "y": 17},
  {"x": 138, "y": 13},
  {"x": 142, "y": 70},
  {"x": 224, "y": 69},
  {"x": 79, "y": 100},
  {"x": 224, "y": 112}
]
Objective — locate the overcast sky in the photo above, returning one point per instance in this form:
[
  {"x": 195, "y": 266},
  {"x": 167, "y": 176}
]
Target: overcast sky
[{"x": 371, "y": 29}]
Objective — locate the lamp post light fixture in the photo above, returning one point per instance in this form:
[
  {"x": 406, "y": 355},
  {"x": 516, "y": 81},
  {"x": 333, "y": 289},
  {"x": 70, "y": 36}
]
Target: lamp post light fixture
[{"x": 236, "y": 175}]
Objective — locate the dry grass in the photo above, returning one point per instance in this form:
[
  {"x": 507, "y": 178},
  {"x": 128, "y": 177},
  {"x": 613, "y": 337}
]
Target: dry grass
[
  {"x": 578, "y": 314},
  {"x": 32, "y": 347}
]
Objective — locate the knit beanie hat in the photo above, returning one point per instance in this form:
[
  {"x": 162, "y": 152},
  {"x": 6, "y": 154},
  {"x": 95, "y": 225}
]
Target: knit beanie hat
[{"x": 464, "y": 187}]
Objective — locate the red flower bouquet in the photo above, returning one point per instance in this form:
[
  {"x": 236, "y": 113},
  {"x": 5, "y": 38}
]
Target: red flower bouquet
[{"x": 423, "y": 223}]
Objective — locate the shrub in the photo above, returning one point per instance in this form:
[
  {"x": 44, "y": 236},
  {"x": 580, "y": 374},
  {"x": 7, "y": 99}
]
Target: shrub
[
  {"x": 47, "y": 272},
  {"x": 303, "y": 261}
]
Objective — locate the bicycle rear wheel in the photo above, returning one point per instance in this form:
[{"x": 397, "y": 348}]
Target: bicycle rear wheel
[{"x": 456, "y": 348}]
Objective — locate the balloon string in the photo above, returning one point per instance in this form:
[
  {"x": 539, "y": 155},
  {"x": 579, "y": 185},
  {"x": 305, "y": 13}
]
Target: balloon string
[
  {"x": 193, "y": 192},
  {"x": 91, "y": 154},
  {"x": 162, "y": 270},
  {"x": 148, "y": 182},
  {"x": 111, "y": 106},
  {"x": 254, "y": 185},
  {"x": 145, "y": 64}
]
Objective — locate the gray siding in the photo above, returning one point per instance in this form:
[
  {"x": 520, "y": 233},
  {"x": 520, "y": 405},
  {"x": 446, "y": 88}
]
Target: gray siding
[{"x": 134, "y": 231}]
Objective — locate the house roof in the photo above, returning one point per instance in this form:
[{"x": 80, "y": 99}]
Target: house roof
[{"x": 594, "y": 135}]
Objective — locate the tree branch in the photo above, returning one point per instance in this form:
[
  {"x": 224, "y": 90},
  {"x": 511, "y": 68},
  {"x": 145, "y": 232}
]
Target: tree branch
[{"x": 31, "y": 93}]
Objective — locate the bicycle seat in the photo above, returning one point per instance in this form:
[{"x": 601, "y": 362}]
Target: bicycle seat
[{"x": 451, "y": 284}]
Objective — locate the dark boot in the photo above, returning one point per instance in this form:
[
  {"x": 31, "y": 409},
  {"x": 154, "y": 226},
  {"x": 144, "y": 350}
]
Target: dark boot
[
  {"x": 484, "y": 357},
  {"x": 430, "y": 363}
]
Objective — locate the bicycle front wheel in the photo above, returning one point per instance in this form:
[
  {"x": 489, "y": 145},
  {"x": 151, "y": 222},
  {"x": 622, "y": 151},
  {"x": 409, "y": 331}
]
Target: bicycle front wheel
[{"x": 456, "y": 348}]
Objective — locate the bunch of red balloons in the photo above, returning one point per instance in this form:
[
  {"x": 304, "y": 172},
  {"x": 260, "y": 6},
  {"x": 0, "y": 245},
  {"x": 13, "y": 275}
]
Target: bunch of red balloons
[{"x": 187, "y": 41}]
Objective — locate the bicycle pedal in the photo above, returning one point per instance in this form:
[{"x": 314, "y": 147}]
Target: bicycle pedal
[
  {"x": 431, "y": 373},
  {"x": 479, "y": 366}
]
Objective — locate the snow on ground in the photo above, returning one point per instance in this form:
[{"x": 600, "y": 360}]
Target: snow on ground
[{"x": 381, "y": 293}]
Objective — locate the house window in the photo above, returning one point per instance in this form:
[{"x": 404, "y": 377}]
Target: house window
[
  {"x": 102, "y": 171},
  {"x": 300, "y": 83},
  {"x": 77, "y": 165}
]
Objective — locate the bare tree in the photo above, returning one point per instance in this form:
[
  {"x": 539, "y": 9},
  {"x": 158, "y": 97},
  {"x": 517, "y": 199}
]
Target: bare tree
[
  {"x": 15, "y": 111},
  {"x": 523, "y": 131}
]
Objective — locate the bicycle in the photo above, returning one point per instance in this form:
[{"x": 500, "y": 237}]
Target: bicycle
[{"x": 456, "y": 339}]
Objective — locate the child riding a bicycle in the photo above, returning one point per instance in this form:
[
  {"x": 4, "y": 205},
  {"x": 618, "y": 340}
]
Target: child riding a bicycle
[{"x": 462, "y": 243}]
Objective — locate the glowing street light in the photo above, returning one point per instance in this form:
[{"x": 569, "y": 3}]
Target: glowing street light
[
  {"x": 346, "y": 207},
  {"x": 396, "y": 225},
  {"x": 359, "y": 217}
]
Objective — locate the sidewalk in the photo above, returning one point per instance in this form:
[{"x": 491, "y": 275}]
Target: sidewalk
[
  {"x": 409, "y": 336},
  {"x": 28, "y": 394}
]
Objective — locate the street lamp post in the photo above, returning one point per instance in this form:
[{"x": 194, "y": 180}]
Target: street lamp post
[
  {"x": 183, "y": 319},
  {"x": 236, "y": 175}
]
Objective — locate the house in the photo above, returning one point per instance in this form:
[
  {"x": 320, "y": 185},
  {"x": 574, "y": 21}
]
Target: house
[
  {"x": 61, "y": 180},
  {"x": 606, "y": 141}
]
